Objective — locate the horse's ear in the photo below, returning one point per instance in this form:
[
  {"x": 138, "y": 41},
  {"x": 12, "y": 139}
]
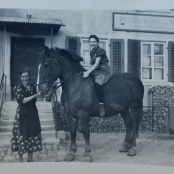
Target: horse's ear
[{"x": 47, "y": 51}]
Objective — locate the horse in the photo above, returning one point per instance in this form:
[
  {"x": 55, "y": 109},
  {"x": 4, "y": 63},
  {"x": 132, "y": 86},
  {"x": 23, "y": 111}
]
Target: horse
[{"x": 123, "y": 93}]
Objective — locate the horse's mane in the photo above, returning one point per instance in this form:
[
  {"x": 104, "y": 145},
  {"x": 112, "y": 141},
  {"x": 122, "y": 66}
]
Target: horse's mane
[
  {"x": 55, "y": 52},
  {"x": 68, "y": 54},
  {"x": 71, "y": 57}
]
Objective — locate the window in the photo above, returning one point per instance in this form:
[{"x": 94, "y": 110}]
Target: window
[
  {"x": 85, "y": 50},
  {"x": 152, "y": 61}
]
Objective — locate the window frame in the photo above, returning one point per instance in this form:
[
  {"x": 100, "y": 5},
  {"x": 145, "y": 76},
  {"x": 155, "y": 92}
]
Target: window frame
[{"x": 152, "y": 43}]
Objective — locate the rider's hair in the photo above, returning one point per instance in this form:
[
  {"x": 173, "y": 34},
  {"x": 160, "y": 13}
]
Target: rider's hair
[{"x": 95, "y": 37}]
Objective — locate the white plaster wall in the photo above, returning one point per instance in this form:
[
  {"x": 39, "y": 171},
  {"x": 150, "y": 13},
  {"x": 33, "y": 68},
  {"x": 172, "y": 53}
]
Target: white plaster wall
[{"x": 83, "y": 23}]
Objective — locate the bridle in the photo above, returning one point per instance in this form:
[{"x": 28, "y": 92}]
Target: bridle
[{"x": 54, "y": 85}]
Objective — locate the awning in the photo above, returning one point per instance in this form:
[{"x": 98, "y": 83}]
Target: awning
[{"x": 30, "y": 25}]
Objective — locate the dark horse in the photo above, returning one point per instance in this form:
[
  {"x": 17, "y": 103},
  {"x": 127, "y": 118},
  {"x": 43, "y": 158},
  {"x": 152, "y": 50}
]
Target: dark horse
[{"x": 122, "y": 93}]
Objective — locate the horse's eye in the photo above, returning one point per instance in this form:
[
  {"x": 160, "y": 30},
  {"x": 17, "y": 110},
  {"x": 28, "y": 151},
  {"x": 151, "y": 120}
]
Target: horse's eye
[{"x": 46, "y": 64}]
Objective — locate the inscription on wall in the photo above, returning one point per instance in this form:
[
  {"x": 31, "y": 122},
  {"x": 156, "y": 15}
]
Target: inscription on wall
[{"x": 143, "y": 22}]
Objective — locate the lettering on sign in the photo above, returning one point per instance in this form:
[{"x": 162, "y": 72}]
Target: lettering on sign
[{"x": 143, "y": 22}]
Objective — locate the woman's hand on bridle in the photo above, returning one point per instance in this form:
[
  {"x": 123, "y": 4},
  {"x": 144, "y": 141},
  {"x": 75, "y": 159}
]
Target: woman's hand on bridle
[
  {"x": 38, "y": 94},
  {"x": 85, "y": 74}
]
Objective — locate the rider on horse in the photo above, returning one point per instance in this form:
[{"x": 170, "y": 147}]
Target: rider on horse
[{"x": 100, "y": 69}]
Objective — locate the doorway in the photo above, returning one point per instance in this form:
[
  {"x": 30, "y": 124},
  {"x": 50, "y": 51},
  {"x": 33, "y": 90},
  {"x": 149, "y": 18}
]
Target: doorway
[{"x": 24, "y": 54}]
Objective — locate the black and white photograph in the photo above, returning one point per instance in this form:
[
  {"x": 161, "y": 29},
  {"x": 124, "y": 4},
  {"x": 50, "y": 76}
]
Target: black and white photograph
[{"x": 87, "y": 85}]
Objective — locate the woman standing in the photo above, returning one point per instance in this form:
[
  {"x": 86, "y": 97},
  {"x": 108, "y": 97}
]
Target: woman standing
[
  {"x": 26, "y": 134},
  {"x": 100, "y": 68}
]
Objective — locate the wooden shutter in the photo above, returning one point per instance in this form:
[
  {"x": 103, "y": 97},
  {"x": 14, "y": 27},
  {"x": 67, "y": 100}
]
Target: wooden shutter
[
  {"x": 73, "y": 44},
  {"x": 171, "y": 61},
  {"x": 134, "y": 65},
  {"x": 117, "y": 55}
]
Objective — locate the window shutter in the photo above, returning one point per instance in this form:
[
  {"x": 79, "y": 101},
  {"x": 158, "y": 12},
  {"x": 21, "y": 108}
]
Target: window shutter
[
  {"x": 171, "y": 61},
  {"x": 73, "y": 44},
  {"x": 117, "y": 55},
  {"x": 134, "y": 65}
]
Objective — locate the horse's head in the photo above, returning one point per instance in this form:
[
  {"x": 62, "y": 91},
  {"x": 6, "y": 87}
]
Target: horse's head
[
  {"x": 56, "y": 63},
  {"x": 49, "y": 70}
]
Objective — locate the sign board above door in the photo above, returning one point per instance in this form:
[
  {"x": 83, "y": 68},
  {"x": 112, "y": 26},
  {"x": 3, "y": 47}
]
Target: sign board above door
[{"x": 143, "y": 23}]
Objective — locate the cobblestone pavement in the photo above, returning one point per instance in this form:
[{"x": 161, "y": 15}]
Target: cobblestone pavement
[
  {"x": 152, "y": 149},
  {"x": 50, "y": 152}
]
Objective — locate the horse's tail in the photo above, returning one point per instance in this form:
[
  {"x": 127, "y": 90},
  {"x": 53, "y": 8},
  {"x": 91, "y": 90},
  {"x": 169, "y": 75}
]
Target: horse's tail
[
  {"x": 137, "y": 105},
  {"x": 140, "y": 106}
]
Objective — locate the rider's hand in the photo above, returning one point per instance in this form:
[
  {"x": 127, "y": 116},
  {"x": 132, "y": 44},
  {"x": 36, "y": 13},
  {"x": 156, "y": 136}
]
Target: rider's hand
[{"x": 85, "y": 74}]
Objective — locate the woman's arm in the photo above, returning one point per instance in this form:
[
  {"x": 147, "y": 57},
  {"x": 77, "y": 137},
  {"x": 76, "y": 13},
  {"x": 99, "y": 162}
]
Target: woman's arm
[
  {"x": 28, "y": 99},
  {"x": 86, "y": 74}
]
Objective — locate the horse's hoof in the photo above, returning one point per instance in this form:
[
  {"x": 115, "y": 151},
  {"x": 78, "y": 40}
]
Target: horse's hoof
[
  {"x": 124, "y": 148},
  {"x": 69, "y": 157},
  {"x": 88, "y": 158},
  {"x": 132, "y": 152}
]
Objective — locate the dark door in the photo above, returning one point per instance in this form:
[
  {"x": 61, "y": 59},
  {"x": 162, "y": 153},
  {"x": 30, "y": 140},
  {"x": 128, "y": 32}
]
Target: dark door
[{"x": 24, "y": 53}]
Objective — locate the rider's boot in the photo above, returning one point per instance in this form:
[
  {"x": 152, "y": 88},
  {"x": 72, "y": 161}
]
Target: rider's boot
[
  {"x": 100, "y": 97},
  {"x": 101, "y": 109}
]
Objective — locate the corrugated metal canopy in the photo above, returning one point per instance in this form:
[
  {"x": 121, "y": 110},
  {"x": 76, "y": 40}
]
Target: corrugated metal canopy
[
  {"x": 30, "y": 25},
  {"x": 30, "y": 19}
]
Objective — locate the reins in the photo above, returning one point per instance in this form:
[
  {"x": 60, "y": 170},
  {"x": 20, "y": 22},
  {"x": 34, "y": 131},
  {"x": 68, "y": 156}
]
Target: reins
[{"x": 54, "y": 84}]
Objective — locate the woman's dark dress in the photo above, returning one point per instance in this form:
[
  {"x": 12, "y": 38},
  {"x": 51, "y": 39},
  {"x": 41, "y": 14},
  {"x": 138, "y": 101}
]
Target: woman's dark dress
[
  {"x": 102, "y": 72},
  {"x": 26, "y": 134}
]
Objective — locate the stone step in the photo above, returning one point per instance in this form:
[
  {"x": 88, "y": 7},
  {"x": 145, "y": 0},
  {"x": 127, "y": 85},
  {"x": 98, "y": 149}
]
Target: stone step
[
  {"x": 43, "y": 127},
  {"x": 44, "y": 134},
  {"x": 43, "y": 121},
  {"x": 11, "y": 110},
  {"x": 45, "y": 115},
  {"x": 38, "y": 103},
  {"x": 7, "y": 143},
  {"x": 13, "y": 105},
  {"x": 41, "y": 116}
]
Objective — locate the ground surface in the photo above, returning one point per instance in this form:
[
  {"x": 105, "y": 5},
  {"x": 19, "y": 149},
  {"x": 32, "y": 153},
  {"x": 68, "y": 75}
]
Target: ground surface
[{"x": 152, "y": 149}]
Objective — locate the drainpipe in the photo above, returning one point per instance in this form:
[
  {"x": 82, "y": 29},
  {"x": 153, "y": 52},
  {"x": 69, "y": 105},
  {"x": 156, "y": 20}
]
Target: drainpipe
[
  {"x": 4, "y": 48},
  {"x": 4, "y": 37},
  {"x": 51, "y": 37}
]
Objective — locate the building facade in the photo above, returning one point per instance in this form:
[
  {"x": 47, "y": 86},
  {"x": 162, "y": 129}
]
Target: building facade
[{"x": 139, "y": 42}]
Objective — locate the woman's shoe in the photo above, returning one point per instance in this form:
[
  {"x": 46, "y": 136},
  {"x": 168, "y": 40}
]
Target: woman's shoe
[
  {"x": 30, "y": 155},
  {"x": 20, "y": 157}
]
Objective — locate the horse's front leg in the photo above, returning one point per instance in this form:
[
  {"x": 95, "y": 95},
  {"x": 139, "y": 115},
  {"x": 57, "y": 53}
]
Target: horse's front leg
[
  {"x": 128, "y": 122},
  {"x": 73, "y": 148},
  {"x": 135, "y": 124},
  {"x": 84, "y": 119}
]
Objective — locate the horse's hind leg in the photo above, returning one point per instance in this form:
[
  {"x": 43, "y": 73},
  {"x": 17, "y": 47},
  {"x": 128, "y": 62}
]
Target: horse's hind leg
[
  {"x": 128, "y": 122},
  {"x": 136, "y": 118},
  {"x": 139, "y": 117},
  {"x": 73, "y": 148},
  {"x": 84, "y": 119}
]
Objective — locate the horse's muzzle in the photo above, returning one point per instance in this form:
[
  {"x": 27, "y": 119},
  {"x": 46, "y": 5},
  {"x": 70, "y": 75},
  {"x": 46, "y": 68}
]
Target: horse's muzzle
[{"x": 45, "y": 89}]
